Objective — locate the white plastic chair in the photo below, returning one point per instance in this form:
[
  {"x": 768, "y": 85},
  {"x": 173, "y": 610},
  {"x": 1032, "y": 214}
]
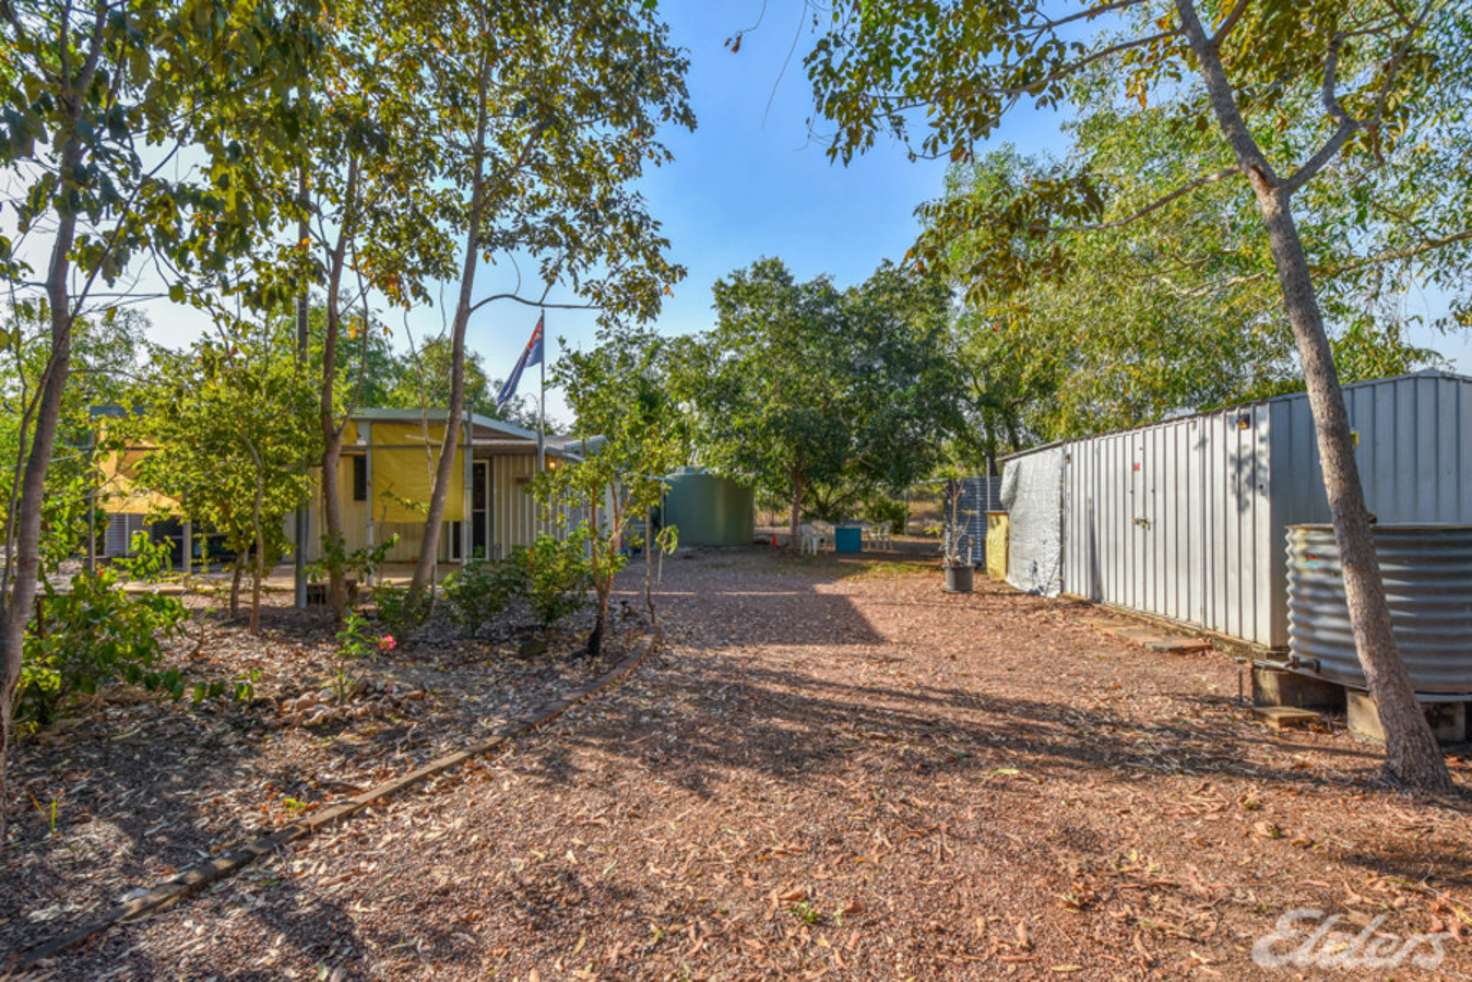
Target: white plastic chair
[
  {"x": 879, "y": 536},
  {"x": 813, "y": 538}
]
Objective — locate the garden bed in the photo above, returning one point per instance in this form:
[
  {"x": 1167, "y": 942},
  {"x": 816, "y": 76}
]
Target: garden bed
[{"x": 129, "y": 787}]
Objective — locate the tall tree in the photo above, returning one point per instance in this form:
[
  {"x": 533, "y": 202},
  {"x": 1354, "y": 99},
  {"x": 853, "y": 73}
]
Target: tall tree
[
  {"x": 98, "y": 99},
  {"x": 230, "y": 422},
  {"x": 360, "y": 208},
  {"x": 619, "y": 393},
  {"x": 105, "y": 352},
  {"x": 1131, "y": 323},
  {"x": 371, "y": 180},
  {"x": 1239, "y": 67},
  {"x": 767, "y": 384},
  {"x": 818, "y": 396},
  {"x": 546, "y": 111}
]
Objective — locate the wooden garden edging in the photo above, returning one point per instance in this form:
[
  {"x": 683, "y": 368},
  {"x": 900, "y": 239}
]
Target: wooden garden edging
[{"x": 228, "y": 863}]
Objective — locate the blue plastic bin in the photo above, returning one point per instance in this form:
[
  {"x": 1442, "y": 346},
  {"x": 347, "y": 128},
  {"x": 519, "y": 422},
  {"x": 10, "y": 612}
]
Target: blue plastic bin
[{"x": 848, "y": 538}]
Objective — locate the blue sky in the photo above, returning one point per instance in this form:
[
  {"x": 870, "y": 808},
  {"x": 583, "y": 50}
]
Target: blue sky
[{"x": 749, "y": 182}]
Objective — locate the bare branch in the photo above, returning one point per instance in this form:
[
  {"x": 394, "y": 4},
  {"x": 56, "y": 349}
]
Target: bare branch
[
  {"x": 1348, "y": 125},
  {"x": 531, "y": 303},
  {"x": 1089, "y": 14},
  {"x": 1164, "y": 200},
  {"x": 894, "y": 104},
  {"x": 1228, "y": 23},
  {"x": 1430, "y": 244},
  {"x": 1063, "y": 71},
  {"x": 1223, "y": 101},
  {"x": 1405, "y": 252},
  {"x": 123, "y": 219}
]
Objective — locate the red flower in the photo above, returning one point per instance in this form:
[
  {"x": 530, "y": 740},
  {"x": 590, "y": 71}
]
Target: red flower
[{"x": 387, "y": 643}]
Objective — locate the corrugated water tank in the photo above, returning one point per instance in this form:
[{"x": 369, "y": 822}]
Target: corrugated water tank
[
  {"x": 1427, "y": 571},
  {"x": 709, "y": 510}
]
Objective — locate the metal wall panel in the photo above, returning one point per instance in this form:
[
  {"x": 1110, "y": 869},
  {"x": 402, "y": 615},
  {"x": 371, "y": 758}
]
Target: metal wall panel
[
  {"x": 1186, "y": 519},
  {"x": 513, "y": 509},
  {"x": 1414, "y": 453},
  {"x": 1174, "y": 520}
]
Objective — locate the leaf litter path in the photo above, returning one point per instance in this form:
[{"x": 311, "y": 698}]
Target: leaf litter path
[{"x": 837, "y": 770}]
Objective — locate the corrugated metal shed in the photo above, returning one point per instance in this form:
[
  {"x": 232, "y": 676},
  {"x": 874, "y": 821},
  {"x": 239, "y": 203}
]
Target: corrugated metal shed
[
  {"x": 708, "y": 509},
  {"x": 1187, "y": 519},
  {"x": 1174, "y": 520}
]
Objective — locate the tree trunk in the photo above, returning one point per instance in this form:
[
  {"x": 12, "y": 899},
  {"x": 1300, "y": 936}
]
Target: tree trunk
[
  {"x": 333, "y": 544},
  {"x": 600, "y": 622},
  {"x": 603, "y": 574},
  {"x": 649, "y": 547},
  {"x": 333, "y": 541},
  {"x": 1412, "y": 756},
  {"x": 235, "y": 576},
  {"x": 27, "y": 567},
  {"x": 303, "y": 323},
  {"x": 794, "y": 520},
  {"x": 260, "y": 562},
  {"x": 27, "y": 564},
  {"x": 445, "y": 470}
]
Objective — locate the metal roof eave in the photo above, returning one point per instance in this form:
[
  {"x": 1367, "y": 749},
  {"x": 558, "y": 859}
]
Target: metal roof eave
[
  {"x": 439, "y": 416},
  {"x": 1429, "y": 373}
]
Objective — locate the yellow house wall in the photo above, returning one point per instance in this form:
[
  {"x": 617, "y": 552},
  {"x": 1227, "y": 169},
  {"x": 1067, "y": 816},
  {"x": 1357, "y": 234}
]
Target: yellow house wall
[{"x": 403, "y": 470}]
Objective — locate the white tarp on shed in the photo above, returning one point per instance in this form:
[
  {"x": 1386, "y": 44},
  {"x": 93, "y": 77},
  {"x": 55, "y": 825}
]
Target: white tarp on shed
[{"x": 1032, "y": 495}]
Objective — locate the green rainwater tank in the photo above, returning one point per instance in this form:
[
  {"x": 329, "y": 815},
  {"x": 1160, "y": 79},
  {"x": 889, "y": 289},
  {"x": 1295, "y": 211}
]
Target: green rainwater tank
[{"x": 709, "y": 510}]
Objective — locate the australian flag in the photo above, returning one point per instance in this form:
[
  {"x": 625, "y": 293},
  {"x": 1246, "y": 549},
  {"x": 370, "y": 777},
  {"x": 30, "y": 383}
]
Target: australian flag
[{"x": 531, "y": 355}]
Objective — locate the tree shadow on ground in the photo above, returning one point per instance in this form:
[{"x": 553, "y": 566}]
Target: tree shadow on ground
[{"x": 716, "y": 714}]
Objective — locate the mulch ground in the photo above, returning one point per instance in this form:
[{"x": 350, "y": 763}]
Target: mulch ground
[
  {"x": 129, "y": 788},
  {"x": 836, "y": 770}
]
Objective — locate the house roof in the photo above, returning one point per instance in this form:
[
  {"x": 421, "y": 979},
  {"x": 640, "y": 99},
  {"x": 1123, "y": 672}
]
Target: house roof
[
  {"x": 439, "y": 416},
  {"x": 561, "y": 445}
]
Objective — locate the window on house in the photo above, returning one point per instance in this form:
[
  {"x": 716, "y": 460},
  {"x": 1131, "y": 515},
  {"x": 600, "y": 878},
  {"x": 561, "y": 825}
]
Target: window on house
[{"x": 360, "y": 478}]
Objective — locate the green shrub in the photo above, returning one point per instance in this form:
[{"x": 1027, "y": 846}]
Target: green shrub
[
  {"x": 558, "y": 575},
  {"x": 362, "y": 563},
  {"x": 483, "y": 589},
  {"x": 95, "y": 634},
  {"x": 355, "y": 641},
  {"x": 395, "y": 609},
  {"x": 887, "y": 511}
]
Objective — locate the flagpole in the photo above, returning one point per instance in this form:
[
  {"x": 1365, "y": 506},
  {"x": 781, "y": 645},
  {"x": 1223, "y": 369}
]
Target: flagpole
[{"x": 542, "y": 397}]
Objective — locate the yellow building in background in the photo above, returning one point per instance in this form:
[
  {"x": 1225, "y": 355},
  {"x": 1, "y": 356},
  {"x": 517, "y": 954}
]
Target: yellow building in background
[{"x": 389, "y": 457}]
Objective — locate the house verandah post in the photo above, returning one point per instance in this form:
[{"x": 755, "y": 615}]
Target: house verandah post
[
  {"x": 365, "y": 437},
  {"x": 467, "y": 511}
]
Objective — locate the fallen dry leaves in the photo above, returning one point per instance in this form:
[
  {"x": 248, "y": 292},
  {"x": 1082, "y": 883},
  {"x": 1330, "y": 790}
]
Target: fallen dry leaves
[{"x": 852, "y": 776}]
